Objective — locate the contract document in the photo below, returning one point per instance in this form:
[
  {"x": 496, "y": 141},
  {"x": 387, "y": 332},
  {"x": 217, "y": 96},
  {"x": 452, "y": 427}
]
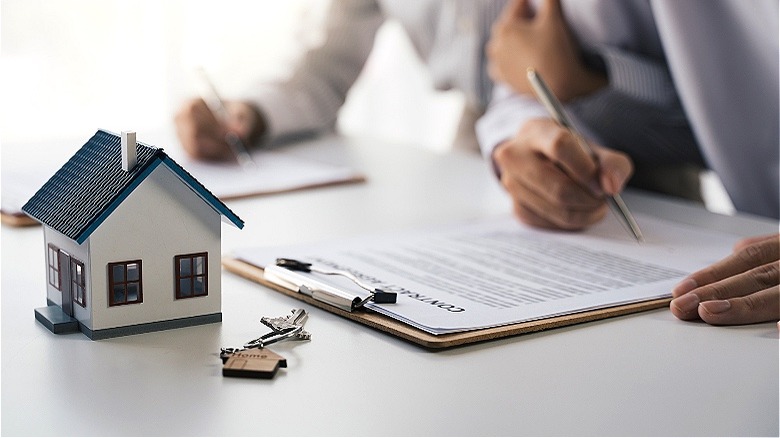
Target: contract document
[{"x": 498, "y": 272}]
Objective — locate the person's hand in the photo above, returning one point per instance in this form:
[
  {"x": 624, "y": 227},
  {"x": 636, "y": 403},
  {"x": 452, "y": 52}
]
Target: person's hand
[
  {"x": 521, "y": 39},
  {"x": 740, "y": 289},
  {"x": 202, "y": 135},
  {"x": 553, "y": 182}
]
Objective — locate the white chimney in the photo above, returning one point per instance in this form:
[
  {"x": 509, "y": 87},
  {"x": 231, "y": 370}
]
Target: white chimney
[{"x": 129, "y": 153}]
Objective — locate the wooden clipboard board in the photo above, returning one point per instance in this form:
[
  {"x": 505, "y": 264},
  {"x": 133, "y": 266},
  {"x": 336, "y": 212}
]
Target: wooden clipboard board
[{"x": 435, "y": 342}]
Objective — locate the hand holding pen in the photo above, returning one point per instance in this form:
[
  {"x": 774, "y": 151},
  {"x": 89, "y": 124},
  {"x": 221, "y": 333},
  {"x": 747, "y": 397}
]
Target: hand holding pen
[
  {"x": 212, "y": 129},
  {"x": 557, "y": 112},
  {"x": 553, "y": 181}
]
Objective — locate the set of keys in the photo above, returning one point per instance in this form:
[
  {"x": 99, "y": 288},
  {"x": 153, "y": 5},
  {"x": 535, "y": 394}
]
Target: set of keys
[{"x": 253, "y": 359}]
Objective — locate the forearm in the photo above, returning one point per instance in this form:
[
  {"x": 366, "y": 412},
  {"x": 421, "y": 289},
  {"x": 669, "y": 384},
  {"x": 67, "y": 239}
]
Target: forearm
[{"x": 309, "y": 101}]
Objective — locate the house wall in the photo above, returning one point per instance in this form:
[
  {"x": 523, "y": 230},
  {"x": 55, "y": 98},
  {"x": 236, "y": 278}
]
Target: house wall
[
  {"x": 76, "y": 251},
  {"x": 162, "y": 218}
]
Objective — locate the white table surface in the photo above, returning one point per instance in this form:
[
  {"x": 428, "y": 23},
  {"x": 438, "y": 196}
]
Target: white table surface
[{"x": 643, "y": 374}]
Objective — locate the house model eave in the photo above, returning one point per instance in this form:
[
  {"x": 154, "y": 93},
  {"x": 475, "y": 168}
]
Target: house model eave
[{"x": 90, "y": 186}]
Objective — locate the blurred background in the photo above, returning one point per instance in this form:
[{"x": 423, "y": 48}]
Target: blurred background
[{"x": 69, "y": 67}]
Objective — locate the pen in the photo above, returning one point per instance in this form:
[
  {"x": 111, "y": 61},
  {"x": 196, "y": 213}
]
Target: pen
[
  {"x": 217, "y": 107},
  {"x": 555, "y": 109}
]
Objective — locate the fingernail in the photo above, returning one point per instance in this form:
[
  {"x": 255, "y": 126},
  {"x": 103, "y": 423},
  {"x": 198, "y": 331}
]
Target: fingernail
[
  {"x": 687, "y": 303},
  {"x": 717, "y": 306},
  {"x": 684, "y": 287}
]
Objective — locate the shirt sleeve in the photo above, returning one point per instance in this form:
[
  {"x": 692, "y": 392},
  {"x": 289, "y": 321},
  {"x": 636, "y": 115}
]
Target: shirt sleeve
[
  {"x": 308, "y": 102},
  {"x": 505, "y": 114}
]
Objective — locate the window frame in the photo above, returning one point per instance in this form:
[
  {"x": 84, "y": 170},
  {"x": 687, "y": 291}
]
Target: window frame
[
  {"x": 78, "y": 283},
  {"x": 52, "y": 269},
  {"x": 193, "y": 275},
  {"x": 112, "y": 283}
]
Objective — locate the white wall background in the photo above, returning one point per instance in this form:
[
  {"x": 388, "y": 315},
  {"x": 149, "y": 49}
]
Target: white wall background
[{"x": 69, "y": 67}]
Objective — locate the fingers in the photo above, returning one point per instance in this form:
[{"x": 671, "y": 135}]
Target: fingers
[
  {"x": 740, "y": 289},
  {"x": 758, "y": 307},
  {"x": 615, "y": 168},
  {"x": 748, "y": 257},
  {"x": 732, "y": 289},
  {"x": 556, "y": 204},
  {"x": 516, "y": 9},
  {"x": 538, "y": 175},
  {"x": 537, "y": 212},
  {"x": 751, "y": 240},
  {"x": 551, "y": 9},
  {"x": 559, "y": 146},
  {"x": 199, "y": 132},
  {"x": 244, "y": 120}
]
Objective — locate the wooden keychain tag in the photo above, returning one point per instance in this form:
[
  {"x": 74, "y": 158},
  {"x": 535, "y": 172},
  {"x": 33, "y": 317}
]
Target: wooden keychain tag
[{"x": 258, "y": 363}]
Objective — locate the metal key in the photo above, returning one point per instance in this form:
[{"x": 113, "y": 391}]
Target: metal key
[{"x": 287, "y": 327}]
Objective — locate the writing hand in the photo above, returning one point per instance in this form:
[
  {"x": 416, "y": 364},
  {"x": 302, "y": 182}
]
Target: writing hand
[
  {"x": 740, "y": 289},
  {"x": 202, "y": 135},
  {"x": 553, "y": 182},
  {"x": 522, "y": 38}
]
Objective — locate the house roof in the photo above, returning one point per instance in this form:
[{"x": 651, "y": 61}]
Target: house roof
[{"x": 92, "y": 184}]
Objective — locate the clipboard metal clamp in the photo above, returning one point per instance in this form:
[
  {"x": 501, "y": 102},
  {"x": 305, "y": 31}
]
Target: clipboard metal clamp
[{"x": 284, "y": 272}]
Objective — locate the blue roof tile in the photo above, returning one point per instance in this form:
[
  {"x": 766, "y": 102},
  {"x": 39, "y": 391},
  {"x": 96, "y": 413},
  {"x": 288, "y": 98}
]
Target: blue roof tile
[{"x": 79, "y": 196}]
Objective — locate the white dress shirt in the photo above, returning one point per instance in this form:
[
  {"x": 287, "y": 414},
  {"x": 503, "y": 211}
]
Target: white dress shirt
[{"x": 448, "y": 35}]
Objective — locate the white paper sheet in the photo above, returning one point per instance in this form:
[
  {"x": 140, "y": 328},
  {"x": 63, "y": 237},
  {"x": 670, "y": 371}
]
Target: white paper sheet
[
  {"x": 277, "y": 171},
  {"x": 498, "y": 272}
]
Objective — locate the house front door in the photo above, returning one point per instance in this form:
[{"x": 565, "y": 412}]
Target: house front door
[{"x": 65, "y": 283}]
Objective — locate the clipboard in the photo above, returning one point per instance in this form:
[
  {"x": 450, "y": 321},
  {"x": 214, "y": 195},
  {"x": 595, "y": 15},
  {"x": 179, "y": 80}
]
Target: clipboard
[{"x": 437, "y": 342}]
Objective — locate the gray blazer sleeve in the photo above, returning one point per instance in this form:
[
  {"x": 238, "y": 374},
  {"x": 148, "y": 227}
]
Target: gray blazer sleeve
[{"x": 638, "y": 113}]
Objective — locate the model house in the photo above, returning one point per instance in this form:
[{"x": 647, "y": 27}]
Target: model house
[{"x": 132, "y": 242}]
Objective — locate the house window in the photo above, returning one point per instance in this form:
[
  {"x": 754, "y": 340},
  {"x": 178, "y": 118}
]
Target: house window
[
  {"x": 78, "y": 282},
  {"x": 54, "y": 267},
  {"x": 192, "y": 275},
  {"x": 124, "y": 283}
]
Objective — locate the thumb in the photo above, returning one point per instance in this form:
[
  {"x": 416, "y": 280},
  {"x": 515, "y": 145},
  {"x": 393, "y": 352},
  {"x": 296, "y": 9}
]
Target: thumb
[
  {"x": 551, "y": 9},
  {"x": 517, "y": 9},
  {"x": 615, "y": 170}
]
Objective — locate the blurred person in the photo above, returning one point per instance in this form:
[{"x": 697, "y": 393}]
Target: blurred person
[
  {"x": 716, "y": 60},
  {"x": 449, "y": 36}
]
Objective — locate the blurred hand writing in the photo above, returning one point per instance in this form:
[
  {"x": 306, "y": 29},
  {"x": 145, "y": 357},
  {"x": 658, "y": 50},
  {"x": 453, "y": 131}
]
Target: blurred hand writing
[{"x": 202, "y": 134}]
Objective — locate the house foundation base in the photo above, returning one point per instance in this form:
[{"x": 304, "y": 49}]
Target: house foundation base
[
  {"x": 138, "y": 329},
  {"x": 58, "y": 322}
]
